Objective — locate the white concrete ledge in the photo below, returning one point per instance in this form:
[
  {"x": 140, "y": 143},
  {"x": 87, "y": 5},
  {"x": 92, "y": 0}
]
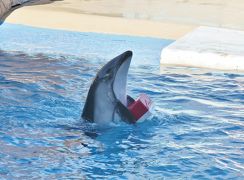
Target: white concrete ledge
[{"x": 207, "y": 47}]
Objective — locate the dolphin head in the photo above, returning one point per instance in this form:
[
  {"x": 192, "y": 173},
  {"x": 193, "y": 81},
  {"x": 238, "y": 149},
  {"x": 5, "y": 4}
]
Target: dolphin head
[{"x": 107, "y": 100}]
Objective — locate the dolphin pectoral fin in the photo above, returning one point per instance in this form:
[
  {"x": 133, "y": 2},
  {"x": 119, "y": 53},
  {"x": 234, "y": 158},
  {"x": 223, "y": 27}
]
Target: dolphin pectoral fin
[
  {"x": 125, "y": 113},
  {"x": 130, "y": 100}
]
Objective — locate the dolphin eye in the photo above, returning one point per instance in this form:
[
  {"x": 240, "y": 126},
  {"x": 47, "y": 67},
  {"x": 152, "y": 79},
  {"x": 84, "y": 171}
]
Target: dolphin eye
[{"x": 108, "y": 74}]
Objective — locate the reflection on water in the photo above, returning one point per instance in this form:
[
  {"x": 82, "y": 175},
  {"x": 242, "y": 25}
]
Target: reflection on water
[{"x": 196, "y": 130}]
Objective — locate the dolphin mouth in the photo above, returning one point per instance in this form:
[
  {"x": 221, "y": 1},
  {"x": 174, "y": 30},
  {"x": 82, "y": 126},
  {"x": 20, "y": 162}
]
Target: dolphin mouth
[
  {"x": 120, "y": 79},
  {"x": 107, "y": 98},
  {"x": 139, "y": 108}
]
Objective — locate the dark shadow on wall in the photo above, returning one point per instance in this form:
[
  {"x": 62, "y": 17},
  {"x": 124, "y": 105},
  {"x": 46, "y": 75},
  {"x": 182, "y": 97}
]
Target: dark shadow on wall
[{"x": 30, "y": 3}]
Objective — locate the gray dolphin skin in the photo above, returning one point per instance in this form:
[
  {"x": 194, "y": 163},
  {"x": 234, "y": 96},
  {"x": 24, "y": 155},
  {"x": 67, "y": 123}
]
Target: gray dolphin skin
[
  {"x": 8, "y": 5},
  {"x": 107, "y": 100}
]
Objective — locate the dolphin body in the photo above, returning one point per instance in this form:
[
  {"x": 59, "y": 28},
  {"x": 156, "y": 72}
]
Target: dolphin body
[{"x": 107, "y": 100}]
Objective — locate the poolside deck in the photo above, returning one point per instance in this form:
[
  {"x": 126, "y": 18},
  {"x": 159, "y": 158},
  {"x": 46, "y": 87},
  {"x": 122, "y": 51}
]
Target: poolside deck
[{"x": 166, "y": 19}]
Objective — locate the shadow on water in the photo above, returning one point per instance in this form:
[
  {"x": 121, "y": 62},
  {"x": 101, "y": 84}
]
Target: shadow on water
[{"x": 40, "y": 88}]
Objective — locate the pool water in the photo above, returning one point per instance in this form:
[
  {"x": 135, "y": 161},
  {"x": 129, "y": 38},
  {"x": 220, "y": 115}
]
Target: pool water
[{"x": 195, "y": 131}]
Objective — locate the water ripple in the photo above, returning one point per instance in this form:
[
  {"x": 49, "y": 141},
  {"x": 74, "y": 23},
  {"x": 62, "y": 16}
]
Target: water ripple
[{"x": 195, "y": 132}]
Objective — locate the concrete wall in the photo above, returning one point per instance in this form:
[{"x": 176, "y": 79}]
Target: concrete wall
[
  {"x": 6, "y": 5},
  {"x": 207, "y": 47}
]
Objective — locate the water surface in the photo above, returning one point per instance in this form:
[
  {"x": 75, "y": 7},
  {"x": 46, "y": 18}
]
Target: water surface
[{"x": 195, "y": 132}]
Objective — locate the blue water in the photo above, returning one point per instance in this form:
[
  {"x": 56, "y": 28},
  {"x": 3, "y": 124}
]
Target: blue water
[{"x": 195, "y": 132}]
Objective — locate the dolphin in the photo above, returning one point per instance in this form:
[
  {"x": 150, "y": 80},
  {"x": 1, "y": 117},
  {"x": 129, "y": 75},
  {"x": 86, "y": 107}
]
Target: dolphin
[
  {"x": 107, "y": 101},
  {"x": 6, "y": 6}
]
